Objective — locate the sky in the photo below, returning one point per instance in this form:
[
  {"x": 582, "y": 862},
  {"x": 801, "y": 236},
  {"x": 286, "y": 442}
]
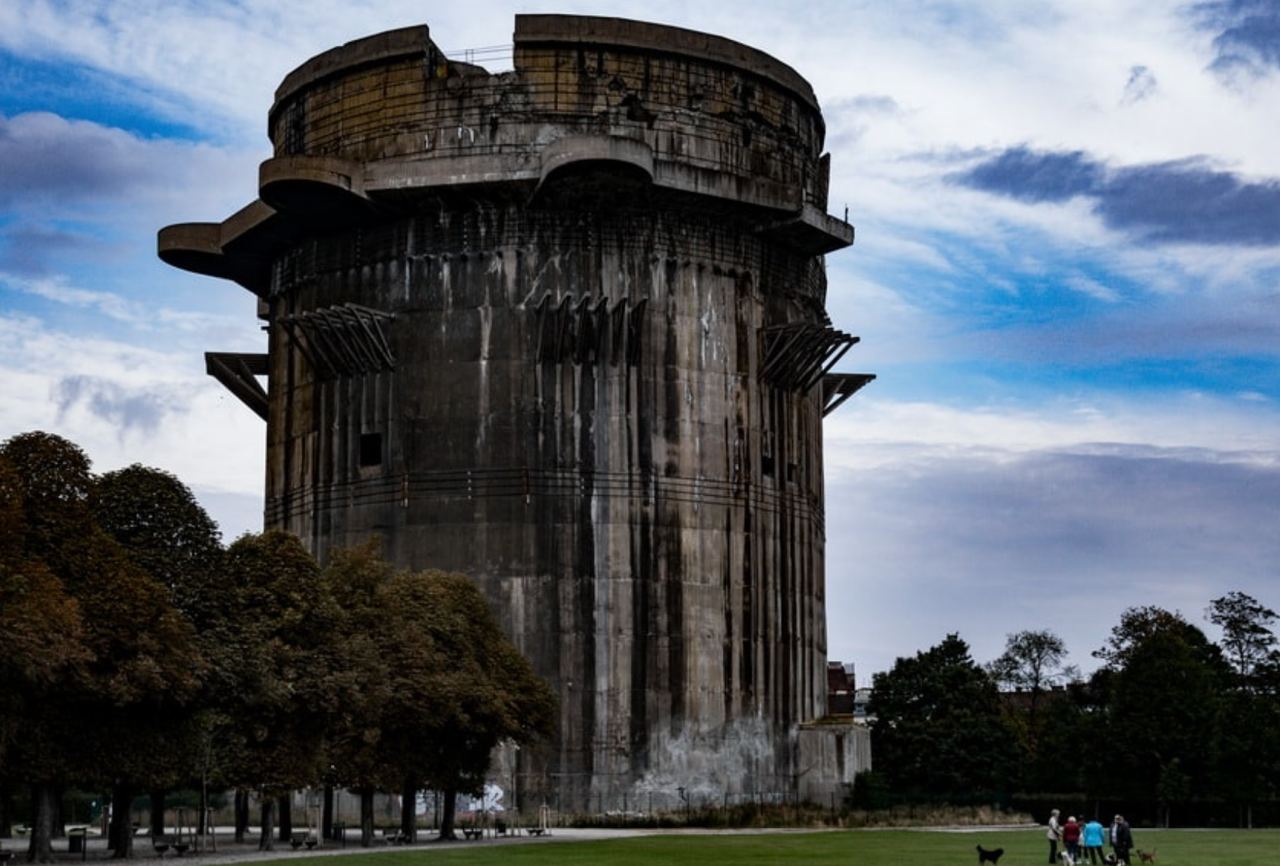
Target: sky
[{"x": 1066, "y": 279}]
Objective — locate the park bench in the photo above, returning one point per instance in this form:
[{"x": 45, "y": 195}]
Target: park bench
[
  {"x": 473, "y": 832},
  {"x": 537, "y": 831},
  {"x": 162, "y": 844},
  {"x": 6, "y": 856}
]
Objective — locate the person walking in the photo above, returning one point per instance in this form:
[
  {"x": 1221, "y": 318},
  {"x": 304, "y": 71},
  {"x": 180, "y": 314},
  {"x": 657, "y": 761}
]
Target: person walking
[
  {"x": 1094, "y": 833},
  {"x": 1071, "y": 839},
  {"x": 1054, "y": 835},
  {"x": 1121, "y": 839}
]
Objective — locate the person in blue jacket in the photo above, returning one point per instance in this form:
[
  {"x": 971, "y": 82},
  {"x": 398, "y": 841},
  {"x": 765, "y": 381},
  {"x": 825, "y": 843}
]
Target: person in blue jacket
[{"x": 1094, "y": 836}]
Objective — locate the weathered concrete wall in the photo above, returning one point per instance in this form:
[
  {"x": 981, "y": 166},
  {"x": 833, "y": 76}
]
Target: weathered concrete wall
[
  {"x": 828, "y": 756},
  {"x": 520, "y": 327}
]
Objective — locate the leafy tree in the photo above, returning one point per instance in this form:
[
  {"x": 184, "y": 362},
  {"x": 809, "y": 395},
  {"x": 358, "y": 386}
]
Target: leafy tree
[
  {"x": 145, "y": 675},
  {"x": 44, "y": 483},
  {"x": 274, "y": 623},
  {"x": 1032, "y": 660},
  {"x": 1247, "y": 639},
  {"x": 155, "y": 517},
  {"x": 165, "y": 531},
  {"x": 1137, "y": 625},
  {"x": 1164, "y": 682},
  {"x": 938, "y": 732},
  {"x": 44, "y": 655},
  {"x": 52, "y": 480},
  {"x": 362, "y": 756},
  {"x": 1249, "y": 760},
  {"x": 430, "y": 683},
  {"x": 137, "y": 660}
]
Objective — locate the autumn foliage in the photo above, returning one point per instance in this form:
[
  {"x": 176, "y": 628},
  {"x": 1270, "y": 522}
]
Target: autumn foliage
[{"x": 141, "y": 655}]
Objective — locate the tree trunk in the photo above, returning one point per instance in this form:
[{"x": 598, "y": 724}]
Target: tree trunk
[
  {"x": 241, "y": 813},
  {"x": 366, "y": 817},
  {"x": 326, "y": 814},
  {"x": 202, "y": 812},
  {"x": 286, "y": 817},
  {"x": 409, "y": 811},
  {"x": 6, "y": 813},
  {"x": 40, "y": 847},
  {"x": 157, "y": 814},
  {"x": 450, "y": 810},
  {"x": 266, "y": 839},
  {"x": 59, "y": 819},
  {"x": 122, "y": 839}
]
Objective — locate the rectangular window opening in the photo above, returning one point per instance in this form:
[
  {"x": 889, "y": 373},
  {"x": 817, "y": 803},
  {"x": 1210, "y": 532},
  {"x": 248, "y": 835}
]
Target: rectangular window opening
[{"x": 370, "y": 449}]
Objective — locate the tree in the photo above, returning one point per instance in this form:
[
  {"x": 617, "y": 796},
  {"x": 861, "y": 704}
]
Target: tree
[
  {"x": 1032, "y": 660},
  {"x": 44, "y": 656},
  {"x": 1164, "y": 681},
  {"x": 136, "y": 656},
  {"x": 938, "y": 733},
  {"x": 500, "y": 697},
  {"x": 44, "y": 481},
  {"x": 274, "y": 623},
  {"x": 1031, "y": 663},
  {"x": 155, "y": 517},
  {"x": 51, "y": 479},
  {"x": 165, "y": 531},
  {"x": 1249, "y": 761},
  {"x": 430, "y": 683},
  {"x": 361, "y": 754},
  {"x": 1247, "y": 639},
  {"x": 145, "y": 676}
]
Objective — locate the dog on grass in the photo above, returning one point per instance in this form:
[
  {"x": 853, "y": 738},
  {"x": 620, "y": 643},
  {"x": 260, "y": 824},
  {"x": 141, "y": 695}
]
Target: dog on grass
[
  {"x": 1146, "y": 856},
  {"x": 993, "y": 856}
]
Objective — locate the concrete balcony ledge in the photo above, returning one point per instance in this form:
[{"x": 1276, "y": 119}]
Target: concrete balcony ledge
[
  {"x": 316, "y": 187},
  {"x": 628, "y": 161},
  {"x": 812, "y": 231}
]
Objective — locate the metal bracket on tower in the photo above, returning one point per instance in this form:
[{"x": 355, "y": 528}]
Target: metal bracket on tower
[
  {"x": 838, "y": 387},
  {"x": 797, "y": 355},
  {"x": 345, "y": 340},
  {"x": 580, "y": 331},
  {"x": 236, "y": 372}
]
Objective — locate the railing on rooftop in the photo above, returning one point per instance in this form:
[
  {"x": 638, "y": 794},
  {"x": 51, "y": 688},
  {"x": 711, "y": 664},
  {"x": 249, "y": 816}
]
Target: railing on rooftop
[{"x": 485, "y": 55}]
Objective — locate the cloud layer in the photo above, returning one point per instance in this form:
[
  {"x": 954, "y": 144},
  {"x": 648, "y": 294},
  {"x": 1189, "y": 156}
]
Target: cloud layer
[
  {"x": 1186, "y": 201},
  {"x": 1247, "y": 35}
]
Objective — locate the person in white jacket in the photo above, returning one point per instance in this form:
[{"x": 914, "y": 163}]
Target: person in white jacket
[{"x": 1054, "y": 835}]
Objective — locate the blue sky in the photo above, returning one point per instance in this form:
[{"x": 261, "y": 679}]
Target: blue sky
[{"x": 1067, "y": 278}]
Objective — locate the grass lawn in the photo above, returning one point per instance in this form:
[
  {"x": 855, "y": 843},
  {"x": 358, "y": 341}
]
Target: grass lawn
[{"x": 845, "y": 848}]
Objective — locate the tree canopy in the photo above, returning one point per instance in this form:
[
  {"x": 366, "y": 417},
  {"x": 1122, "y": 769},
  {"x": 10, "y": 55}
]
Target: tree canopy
[{"x": 140, "y": 654}]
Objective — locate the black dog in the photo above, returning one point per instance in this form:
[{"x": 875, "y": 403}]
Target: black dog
[{"x": 993, "y": 856}]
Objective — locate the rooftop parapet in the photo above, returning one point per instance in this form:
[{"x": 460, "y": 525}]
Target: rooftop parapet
[{"x": 364, "y": 128}]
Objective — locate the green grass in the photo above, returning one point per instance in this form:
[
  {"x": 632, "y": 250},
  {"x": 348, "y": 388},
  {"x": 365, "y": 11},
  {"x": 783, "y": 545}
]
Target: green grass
[{"x": 845, "y": 848}]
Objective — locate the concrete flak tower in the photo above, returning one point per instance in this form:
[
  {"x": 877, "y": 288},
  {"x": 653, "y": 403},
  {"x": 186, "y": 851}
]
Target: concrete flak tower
[{"x": 563, "y": 329}]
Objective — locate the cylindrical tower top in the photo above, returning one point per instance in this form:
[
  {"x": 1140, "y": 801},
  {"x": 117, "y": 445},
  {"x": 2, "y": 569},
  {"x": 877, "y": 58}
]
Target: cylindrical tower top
[{"x": 365, "y": 128}]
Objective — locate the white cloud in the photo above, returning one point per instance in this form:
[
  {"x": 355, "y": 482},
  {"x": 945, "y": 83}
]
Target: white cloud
[
  {"x": 56, "y": 166},
  {"x": 138, "y": 315},
  {"x": 874, "y": 433},
  {"x": 125, "y": 403},
  {"x": 1008, "y": 517}
]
